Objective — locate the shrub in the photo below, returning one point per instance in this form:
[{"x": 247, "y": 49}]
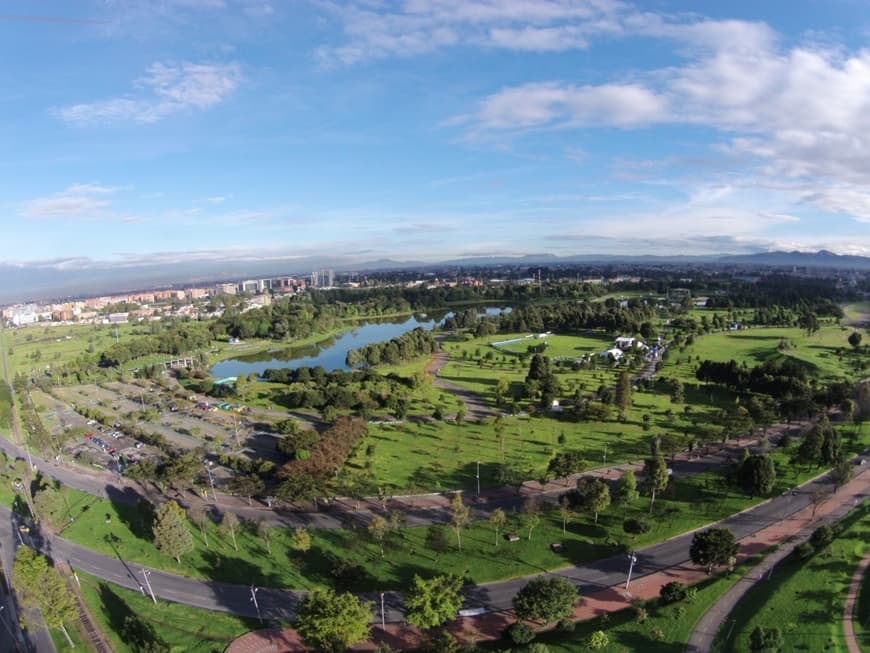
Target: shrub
[
  {"x": 640, "y": 614},
  {"x": 804, "y": 551},
  {"x": 520, "y": 633},
  {"x": 598, "y": 640},
  {"x": 565, "y": 625},
  {"x": 673, "y": 592},
  {"x": 635, "y": 526},
  {"x": 822, "y": 537}
]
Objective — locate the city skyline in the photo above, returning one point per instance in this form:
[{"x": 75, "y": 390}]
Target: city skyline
[{"x": 192, "y": 130}]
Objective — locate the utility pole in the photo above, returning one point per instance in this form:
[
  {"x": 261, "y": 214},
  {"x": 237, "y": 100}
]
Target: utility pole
[
  {"x": 631, "y": 560},
  {"x": 147, "y": 573},
  {"x": 254, "y": 591},
  {"x": 478, "y": 478},
  {"x": 211, "y": 480}
]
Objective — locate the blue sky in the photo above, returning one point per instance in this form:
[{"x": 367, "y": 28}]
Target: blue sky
[{"x": 165, "y": 130}]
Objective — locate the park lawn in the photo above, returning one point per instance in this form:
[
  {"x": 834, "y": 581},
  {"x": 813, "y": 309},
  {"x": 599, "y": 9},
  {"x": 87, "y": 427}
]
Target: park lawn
[
  {"x": 804, "y": 599},
  {"x": 757, "y": 345},
  {"x": 35, "y": 347},
  {"x": 5, "y": 407},
  {"x": 858, "y": 312},
  {"x": 665, "y": 630},
  {"x": 690, "y": 503},
  {"x": 861, "y": 616},
  {"x": 182, "y": 627},
  {"x": 557, "y": 346}
]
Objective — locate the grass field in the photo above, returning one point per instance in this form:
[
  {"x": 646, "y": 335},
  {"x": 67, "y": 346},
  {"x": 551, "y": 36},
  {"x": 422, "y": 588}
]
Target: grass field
[
  {"x": 131, "y": 620},
  {"x": 804, "y": 599},
  {"x": 666, "y": 628},
  {"x": 861, "y": 616}
]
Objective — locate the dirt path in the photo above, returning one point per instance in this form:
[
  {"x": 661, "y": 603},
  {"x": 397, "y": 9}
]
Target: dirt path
[
  {"x": 474, "y": 403},
  {"x": 849, "y": 607}
]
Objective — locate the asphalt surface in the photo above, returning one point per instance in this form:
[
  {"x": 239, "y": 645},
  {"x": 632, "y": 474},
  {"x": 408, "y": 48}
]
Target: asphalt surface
[{"x": 275, "y": 604}]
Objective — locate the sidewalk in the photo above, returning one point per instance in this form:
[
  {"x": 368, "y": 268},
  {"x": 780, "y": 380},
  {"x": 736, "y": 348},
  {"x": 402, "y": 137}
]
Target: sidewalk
[
  {"x": 614, "y": 598},
  {"x": 849, "y": 607}
]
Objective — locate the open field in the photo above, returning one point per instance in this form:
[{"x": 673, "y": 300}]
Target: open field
[
  {"x": 130, "y": 621},
  {"x": 818, "y": 352},
  {"x": 804, "y": 599},
  {"x": 857, "y": 314}
]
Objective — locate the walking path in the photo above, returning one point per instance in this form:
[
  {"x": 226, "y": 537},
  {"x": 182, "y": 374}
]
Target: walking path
[
  {"x": 794, "y": 531},
  {"x": 793, "y": 528},
  {"x": 849, "y": 607}
]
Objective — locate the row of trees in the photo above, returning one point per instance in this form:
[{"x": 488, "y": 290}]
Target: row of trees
[{"x": 412, "y": 344}]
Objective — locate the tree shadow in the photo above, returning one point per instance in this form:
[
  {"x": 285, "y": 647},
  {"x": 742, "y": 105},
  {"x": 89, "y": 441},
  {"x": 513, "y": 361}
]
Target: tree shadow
[
  {"x": 228, "y": 568},
  {"x": 132, "y": 630},
  {"x": 134, "y": 510}
]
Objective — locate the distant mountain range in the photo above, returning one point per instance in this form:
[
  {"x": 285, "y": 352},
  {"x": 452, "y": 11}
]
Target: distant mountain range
[{"x": 39, "y": 282}]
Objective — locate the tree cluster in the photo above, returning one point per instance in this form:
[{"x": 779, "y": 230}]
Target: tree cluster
[{"x": 408, "y": 346}]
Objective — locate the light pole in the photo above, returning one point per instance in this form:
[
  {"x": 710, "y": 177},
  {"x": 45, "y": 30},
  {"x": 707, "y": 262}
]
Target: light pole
[
  {"x": 9, "y": 629},
  {"x": 605, "y": 453},
  {"x": 254, "y": 591},
  {"x": 383, "y": 616},
  {"x": 631, "y": 560},
  {"x": 478, "y": 478},
  {"x": 211, "y": 481},
  {"x": 147, "y": 573}
]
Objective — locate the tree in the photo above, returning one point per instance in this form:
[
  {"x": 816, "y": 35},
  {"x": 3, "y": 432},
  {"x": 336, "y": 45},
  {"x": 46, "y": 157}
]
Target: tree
[
  {"x": 264, "y": 530},
  {"x": 229, "y": 525},
  {"x": 655, "y": 477},
  {"x": 855, "y": 339},
  {"x": 545, "y": 599},
  {"x": 171, "y": 535},
  {"x": 459, "y": 518},
  {"x": 39, "y": 586},
  {"x": 765, "y": 640},
  {"x": 48, "y": 505},
  {"x": 592, "y": 495},
  {"x": 810, "y": 449},
  {"x": 623, "y": 392},
  {"x": 300, "y": 540},
  {"x": 199, "y": 518},
  {"x": 248, "y": 485},
  {"x": 530, "y": 514},
  {"x": 333, "y": 622},
  {"x": 434, "y": 601},
  {"x": 842, "y": 473},
  {"x": 377, "y": 529},
  {"x": 715, "y": 546},
  {"x": 565, "y": 511},
  {"x": 822, "y": 537},
  {"x": 497, "y": 520},
  {"x": 626, "y": 490},
  {"x": 757, "y": 475},
  {"x": 565, "y": 463}
]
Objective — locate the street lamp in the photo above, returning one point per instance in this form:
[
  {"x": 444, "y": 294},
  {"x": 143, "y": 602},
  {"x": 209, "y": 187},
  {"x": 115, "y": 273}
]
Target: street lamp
[
  {"x": 211, "y": 480},
  {"x": 254, "y": 591},
  {"x": 383, "y": 617},
  {"x": 632, "y": 559},
  {"x": 146, "y": 574},
  {"x": 478, "y": 478}
]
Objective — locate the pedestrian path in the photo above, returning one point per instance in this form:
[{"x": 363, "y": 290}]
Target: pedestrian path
[
  {"x": 849, "y": 608},
  {"x": 789, "y": 533}
]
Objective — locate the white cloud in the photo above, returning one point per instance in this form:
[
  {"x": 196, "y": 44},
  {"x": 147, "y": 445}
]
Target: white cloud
[
  {"x": 76, "y": 201},
  {"x": 164, "y": 89},
  {"x": 414, "y": 27}
]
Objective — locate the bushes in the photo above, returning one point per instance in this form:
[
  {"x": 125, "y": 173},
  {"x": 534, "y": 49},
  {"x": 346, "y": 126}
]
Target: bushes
[
  {"x": 520, "y": 633},
  {"x": 675, "y": 592},
  {"x": 636, "y": 526}
]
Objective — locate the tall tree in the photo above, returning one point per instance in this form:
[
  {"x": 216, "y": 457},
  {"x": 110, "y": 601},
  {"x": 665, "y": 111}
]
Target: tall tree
[
  {"x": 757, "y": 475},
  {"x": 626, "y": 490},
  {"x": 655, "y": 477},
  {"x": 592, "y": 495},
  {"x": 265, "y": 530},
  {"x": 546, "y": 599},
  {"x": 531, "y": 518},
  {"x": 377, "y": 530},
  {"x": 39, "y": 586},
  {"x": 497, "y": 520},
  {"x": 459, "y": 518},
  {"x": 229, "y": 525},
  {"x": 842, "y": 473},
  {"x": 333, "y": 622},
  {"x": 248, "y": 485},
  {"x": 810, "y": 449},
  {"x": 715, "y": 546},
  {"x": 565, "y": 512},
  {"x": 199, "y": 517},
  {"x": 855, "y": 339},
  {"x": 565, "y": 463},
  {"x": 434, "y": 601},
  {"x": 623, "y": 392},
  {"x": 171, "y": 535}
]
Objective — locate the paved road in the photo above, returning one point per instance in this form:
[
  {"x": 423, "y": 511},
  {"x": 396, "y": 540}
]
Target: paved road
[
  {"x": 705, "y": 631},
  {"x": 280, "y": 604}
]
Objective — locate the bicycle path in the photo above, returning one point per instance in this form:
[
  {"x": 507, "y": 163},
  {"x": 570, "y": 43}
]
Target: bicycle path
[
  {"x": 793, "y": 532},
  {"x": 849, "y": 608}
]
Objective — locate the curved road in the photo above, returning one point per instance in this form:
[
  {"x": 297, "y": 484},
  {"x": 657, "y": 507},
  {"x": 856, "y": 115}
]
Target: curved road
[{"x": 278, "y": 604}]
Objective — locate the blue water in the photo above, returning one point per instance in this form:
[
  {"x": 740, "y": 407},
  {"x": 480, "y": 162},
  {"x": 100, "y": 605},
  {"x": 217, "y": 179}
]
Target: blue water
[{"x": 331, "y": 353}]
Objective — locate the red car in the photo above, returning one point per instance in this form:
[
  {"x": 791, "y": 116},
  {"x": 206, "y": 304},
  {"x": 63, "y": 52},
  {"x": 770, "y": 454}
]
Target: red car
[{"x": 89, "y": 436}]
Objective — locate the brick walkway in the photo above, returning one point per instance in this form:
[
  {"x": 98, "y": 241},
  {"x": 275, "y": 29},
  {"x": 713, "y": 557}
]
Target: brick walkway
[{"x": 849, "y": 608}]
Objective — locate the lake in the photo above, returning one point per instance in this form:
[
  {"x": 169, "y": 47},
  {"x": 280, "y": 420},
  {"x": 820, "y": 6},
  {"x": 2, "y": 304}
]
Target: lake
[{"x": 332, "y": 352}]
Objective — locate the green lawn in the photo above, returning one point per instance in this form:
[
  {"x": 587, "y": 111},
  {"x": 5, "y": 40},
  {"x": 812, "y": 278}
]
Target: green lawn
[
  {"x": 665, "y": 630},
  {"x": 861, "y": 615},
  {"x": 130, "y": 620},
  {"x": 804, "y": 599}
]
